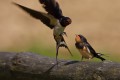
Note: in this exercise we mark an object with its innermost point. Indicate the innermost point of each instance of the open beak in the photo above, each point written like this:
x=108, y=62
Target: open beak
x=76, y=34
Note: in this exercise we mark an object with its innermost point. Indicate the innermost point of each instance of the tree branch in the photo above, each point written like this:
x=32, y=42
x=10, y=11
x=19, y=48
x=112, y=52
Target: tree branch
x=29, y=66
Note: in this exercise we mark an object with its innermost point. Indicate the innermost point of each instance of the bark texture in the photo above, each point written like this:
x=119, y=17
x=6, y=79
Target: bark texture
x=30, y=66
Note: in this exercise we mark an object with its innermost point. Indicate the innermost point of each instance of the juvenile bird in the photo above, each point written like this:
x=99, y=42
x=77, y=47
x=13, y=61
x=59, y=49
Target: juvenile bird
x=54, y=19
x=86, y=49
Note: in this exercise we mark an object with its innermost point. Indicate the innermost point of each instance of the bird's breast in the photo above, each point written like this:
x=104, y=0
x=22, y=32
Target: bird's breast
x=85, y=53
x=58, y=30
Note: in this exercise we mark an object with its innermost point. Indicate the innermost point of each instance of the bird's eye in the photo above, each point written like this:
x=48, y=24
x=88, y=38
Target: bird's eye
x=69, y=21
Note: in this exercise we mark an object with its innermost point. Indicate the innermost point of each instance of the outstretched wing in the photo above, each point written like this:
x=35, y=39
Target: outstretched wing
x=52, y=7
x=43, y=17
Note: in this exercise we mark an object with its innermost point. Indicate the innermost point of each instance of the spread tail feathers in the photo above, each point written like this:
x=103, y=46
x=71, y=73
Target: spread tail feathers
x=66, y=48
x=61, y=44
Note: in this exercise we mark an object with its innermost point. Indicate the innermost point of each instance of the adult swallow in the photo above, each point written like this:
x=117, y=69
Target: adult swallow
x=54, y=19
x=86, y=49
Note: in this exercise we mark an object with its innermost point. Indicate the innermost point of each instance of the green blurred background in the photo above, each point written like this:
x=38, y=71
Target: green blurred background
x=97, y=20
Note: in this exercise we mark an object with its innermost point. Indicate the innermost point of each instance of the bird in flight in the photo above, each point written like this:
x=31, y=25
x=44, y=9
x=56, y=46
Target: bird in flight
x=86, y=49
x=54, y=19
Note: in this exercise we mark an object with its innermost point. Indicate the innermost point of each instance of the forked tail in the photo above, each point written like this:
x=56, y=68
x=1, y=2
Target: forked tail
x=103, y=59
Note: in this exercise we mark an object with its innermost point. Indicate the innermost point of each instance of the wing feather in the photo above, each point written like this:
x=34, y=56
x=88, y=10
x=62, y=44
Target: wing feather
x=91, y=50
x=52, y=7
x=43, y=17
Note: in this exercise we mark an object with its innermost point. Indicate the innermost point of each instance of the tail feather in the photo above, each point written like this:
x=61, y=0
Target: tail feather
x=100, y=54
x=106, y=55
x=63, y=44
x=69, y=50
x=103, y=59
x=60, y=42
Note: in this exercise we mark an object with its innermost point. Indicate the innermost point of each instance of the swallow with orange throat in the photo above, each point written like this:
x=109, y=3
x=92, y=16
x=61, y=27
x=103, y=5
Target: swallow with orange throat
x=86, y=49
x=54, y=19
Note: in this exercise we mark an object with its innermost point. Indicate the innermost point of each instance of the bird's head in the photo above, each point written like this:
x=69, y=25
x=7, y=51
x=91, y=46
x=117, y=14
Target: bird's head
x=64, y=21
x=80, y=38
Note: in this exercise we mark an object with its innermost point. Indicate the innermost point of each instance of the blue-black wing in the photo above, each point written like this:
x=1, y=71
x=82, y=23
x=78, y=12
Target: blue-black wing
x=52, y=7
x=91, y=49
x=43, y=17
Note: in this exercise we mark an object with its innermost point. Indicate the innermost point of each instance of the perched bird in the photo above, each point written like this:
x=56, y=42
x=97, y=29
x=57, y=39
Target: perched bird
x=54, y=19
x=86, y=49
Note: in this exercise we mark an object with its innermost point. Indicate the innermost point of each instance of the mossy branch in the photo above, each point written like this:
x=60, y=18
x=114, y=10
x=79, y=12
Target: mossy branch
x=29, y=66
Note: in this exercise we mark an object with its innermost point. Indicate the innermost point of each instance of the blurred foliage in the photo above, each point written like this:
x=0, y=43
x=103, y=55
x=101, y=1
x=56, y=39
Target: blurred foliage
x=38, y=48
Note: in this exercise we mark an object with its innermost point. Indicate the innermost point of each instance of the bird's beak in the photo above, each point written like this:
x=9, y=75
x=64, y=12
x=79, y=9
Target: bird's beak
x=77, y=38
x=76, y=35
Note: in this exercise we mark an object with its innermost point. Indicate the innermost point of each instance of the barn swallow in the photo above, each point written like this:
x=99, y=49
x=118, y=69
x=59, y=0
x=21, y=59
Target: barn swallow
x=86, y=49
x=53, y=18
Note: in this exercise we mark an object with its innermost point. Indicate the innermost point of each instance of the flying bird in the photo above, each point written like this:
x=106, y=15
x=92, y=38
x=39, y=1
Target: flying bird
x=86, y=49
x=54, y=19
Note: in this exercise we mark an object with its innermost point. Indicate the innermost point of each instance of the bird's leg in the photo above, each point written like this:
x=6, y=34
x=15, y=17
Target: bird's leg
x=89, y=59
x=81, y=58
x=57, y=48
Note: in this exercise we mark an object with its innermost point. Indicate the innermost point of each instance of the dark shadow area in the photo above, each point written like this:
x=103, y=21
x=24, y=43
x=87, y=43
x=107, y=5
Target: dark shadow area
x=49, y=70
x=71, y=62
